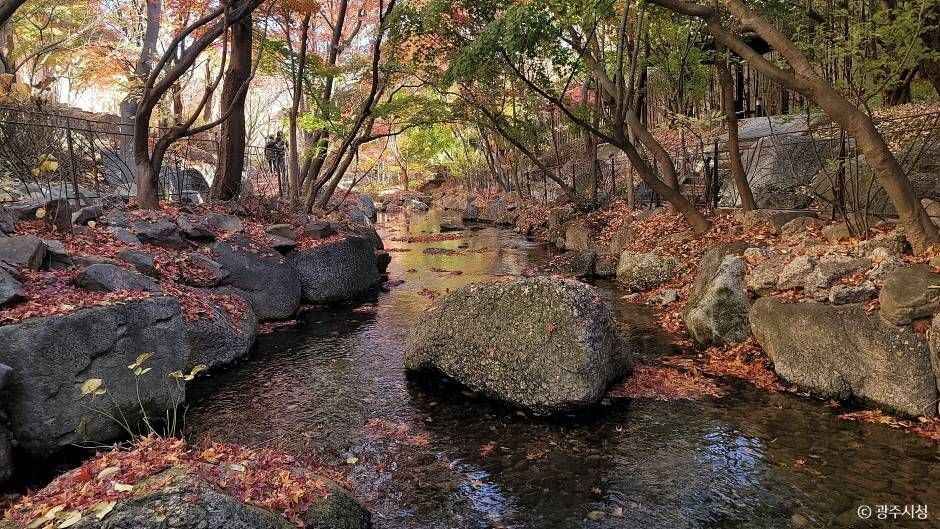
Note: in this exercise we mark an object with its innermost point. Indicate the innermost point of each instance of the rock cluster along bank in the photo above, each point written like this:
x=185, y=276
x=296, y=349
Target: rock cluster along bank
x=839, y=317
x=189, y=289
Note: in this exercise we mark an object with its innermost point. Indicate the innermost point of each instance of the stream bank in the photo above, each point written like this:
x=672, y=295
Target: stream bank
x=333, y=388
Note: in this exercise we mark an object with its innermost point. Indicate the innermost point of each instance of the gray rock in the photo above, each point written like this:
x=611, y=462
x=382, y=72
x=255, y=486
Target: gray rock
x=11, y=291
x=220, y=222
x=718, y=305
x=110, y=278
x=184, y=501
x=318, y=230
x=367, y=231
x=471, y=212
x=266, y=281
x=124, y=236
x=195, y=227
x=793, y=275
x=910, y=293
x=163, y=233
x=201, y=271
x=845, y=294
x=23, y=251
x=762, y=278
x=282, y=230
x=53, y=356
x=799, y=225
x=115, y=217
x=336, y=271
x=56, y=254
x=544, y=344
x=888, y=244
x=497, y=211
x=143, y=262
x=367, y=206
x=843, y=352
x=282, y=245
x=220, y=338
x=828, y=269
x=643, y=271
x=7, y=221
x=86, y=214
x=880, y=272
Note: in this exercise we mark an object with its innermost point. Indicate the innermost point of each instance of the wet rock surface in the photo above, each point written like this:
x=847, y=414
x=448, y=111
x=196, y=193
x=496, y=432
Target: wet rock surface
x=53, y=356
x=337, y=270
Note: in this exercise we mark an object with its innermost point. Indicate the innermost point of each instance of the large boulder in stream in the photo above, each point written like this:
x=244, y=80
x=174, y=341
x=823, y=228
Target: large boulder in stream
x=547, y=345
x=269, y=284
x=52, y=357
x=843, y=352
x=337, y=270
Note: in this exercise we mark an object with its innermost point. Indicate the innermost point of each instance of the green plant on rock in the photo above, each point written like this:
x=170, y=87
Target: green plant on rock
x=94, y=389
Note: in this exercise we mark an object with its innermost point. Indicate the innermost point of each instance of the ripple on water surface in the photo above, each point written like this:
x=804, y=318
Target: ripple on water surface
x=439, y=457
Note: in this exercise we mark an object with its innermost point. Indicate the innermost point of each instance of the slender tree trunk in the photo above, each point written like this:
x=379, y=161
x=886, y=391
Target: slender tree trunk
x=227, y=183
x=294, y=175
x=734, y=145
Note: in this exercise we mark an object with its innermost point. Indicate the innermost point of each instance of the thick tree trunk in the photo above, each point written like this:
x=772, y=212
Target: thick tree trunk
x=7, y=9
x=146, y=174
x=663, y=160
x=227, y=183
x=734, y=145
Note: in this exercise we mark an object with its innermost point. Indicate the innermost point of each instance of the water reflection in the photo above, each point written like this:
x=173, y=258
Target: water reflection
x=439, y=457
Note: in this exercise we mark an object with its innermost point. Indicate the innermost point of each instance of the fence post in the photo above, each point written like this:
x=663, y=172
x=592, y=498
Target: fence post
x=72, y=169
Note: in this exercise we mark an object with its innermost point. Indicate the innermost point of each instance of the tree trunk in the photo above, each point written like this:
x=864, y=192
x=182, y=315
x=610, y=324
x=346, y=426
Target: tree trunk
x=227, y=183
x=293, y=151
x=734, y=145
x=7, y=9
x=146, y=176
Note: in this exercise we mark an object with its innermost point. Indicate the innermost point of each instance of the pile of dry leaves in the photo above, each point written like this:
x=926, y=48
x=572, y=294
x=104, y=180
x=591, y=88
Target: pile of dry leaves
x=262, y=477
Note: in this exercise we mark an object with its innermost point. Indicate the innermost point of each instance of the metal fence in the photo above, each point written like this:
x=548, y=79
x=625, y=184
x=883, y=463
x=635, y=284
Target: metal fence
x=791, y=162
x=53, y=155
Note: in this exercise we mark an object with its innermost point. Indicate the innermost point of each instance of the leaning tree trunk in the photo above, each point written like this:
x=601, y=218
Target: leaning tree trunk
x=734, y=145
x=227, y=183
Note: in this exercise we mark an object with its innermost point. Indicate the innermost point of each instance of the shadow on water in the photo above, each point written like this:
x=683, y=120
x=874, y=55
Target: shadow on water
x=441, y=457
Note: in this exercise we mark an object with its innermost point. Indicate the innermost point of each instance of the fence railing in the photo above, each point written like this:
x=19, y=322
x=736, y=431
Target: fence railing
x=53, y=155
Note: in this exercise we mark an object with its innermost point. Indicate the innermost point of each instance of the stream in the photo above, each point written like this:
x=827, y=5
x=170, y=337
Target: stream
x=428, y=456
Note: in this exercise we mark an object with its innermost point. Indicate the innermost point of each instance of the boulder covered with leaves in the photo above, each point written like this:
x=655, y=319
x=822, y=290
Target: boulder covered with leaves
x=269, y=284
x=843, y=352
x=71, y=382
x=336, y=270
x=544, y=344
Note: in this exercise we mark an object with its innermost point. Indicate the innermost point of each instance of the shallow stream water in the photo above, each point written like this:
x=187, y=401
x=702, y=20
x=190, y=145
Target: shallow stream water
x=437, y=456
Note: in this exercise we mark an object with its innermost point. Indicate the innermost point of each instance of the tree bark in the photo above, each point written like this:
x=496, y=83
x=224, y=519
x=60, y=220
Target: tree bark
x=7, y=9
x=227, y=183
x=734, y=145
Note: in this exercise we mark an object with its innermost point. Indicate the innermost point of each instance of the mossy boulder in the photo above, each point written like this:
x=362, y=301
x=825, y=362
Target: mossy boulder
x=717, y=308
x=544, y=344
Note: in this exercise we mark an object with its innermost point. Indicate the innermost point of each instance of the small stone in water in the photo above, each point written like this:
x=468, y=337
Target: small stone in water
x=596, y=515
x=352, y=460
